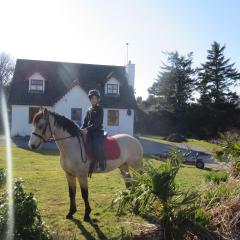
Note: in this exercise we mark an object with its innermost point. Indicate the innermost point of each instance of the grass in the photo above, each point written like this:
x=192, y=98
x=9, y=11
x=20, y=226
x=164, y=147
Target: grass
x=194, y=143
x=44, y=177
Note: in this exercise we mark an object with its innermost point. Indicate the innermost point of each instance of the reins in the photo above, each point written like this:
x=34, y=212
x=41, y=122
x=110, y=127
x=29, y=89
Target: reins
x=59, y=139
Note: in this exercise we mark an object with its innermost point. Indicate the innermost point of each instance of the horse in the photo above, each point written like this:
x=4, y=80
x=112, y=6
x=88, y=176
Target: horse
x=74, y=159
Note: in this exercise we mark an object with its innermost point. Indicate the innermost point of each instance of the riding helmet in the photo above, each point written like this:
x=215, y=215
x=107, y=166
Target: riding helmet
x=94, y=92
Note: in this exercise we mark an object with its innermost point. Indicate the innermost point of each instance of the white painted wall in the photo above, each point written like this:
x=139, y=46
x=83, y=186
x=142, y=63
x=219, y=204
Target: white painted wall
x=20, y=116
x=125, y=122
x=75, y=98
x=20, y=125
x=130, y=71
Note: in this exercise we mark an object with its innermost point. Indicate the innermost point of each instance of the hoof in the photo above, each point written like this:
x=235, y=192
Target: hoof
x=69, y=216
x=87, y=219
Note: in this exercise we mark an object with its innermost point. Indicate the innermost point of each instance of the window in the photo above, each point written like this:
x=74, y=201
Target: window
x=113, y=117
x=36, y=85
x=76, y=115
x=32, y=112
x=112, y=89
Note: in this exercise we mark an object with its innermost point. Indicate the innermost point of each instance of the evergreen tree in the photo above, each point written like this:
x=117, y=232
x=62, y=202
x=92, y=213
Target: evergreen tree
x=216, y=77
x=175, y=83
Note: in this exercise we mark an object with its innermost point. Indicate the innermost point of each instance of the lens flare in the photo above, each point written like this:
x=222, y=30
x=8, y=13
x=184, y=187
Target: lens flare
x=10, y=226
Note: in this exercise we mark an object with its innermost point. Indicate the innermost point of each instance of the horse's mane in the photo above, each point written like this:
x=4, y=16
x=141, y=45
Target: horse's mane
x=65, y=123
x=37, y=117
x=60, y=121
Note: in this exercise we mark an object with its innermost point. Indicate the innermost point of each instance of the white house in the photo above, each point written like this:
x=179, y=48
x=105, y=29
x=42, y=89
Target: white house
x=62, y=87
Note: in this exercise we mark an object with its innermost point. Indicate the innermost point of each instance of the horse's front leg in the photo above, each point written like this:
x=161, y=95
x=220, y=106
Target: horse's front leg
x=83, y=181
x=72, y=194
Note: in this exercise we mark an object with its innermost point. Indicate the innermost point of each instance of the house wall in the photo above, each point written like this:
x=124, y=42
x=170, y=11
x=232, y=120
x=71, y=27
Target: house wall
x=20, y=120
x=125, y=122
x=75, y=98
x=20, y=125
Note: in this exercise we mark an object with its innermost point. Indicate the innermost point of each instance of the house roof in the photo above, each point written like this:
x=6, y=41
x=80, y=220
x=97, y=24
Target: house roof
x=62, y=76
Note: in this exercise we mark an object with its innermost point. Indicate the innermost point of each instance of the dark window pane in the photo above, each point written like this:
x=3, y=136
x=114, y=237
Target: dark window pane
x=36, y=85
x=113, y=117
x=112, y=88
x=32, y=112
x=76, y=115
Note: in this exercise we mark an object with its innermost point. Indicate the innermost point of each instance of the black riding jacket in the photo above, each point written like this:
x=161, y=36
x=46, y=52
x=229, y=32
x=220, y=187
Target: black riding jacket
x=93, y=121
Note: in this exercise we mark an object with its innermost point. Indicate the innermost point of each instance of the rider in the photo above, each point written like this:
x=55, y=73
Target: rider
x=93, y=127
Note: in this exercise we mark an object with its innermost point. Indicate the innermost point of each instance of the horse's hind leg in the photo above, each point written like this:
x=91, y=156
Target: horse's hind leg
x=126, y=175
x=72, y=194
x=83, y=181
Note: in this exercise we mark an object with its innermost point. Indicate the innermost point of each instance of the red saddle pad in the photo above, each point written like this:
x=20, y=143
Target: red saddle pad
x=110, y=147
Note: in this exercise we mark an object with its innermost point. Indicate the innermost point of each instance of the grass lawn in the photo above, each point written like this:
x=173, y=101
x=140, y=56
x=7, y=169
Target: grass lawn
x=44, y=177
x=200, y=144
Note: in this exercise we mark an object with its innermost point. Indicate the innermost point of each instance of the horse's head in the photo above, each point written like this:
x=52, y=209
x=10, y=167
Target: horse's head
x=41, y=129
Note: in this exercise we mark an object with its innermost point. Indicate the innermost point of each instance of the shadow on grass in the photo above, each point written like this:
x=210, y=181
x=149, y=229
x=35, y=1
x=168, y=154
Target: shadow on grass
x=85, y=232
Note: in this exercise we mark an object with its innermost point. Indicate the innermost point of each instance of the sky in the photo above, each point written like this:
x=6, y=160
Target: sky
x=96, y=31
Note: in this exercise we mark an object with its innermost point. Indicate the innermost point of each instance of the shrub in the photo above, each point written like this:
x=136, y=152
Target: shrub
x=216, y=177
x=28, y=222
x=215, y=195
x=230, y=152
x=155, y=195
x=3, y=177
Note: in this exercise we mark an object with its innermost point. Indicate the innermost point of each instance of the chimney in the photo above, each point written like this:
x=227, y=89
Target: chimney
x=130, y=72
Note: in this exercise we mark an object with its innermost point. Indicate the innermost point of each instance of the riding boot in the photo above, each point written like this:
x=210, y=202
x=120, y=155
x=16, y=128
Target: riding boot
x=99, y=153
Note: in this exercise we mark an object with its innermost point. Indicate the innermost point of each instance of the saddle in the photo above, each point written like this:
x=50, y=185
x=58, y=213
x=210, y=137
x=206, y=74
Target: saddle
x=110, y=147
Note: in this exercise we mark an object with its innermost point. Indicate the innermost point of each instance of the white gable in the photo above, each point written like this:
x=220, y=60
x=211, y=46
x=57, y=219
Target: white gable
x=37, y=76
x=75, y=98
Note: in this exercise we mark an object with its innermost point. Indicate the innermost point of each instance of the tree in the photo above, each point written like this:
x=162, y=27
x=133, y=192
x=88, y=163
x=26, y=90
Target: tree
x=175, y=83
x=216, y=77
x=6, y=69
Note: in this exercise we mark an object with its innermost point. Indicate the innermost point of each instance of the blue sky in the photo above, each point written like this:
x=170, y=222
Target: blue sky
x=95, y=31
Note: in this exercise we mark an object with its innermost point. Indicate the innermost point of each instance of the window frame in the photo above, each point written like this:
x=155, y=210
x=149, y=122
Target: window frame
x=112, y=88
x=117, y=117
x=78, y=122
x=36, y=89
x=32, y=114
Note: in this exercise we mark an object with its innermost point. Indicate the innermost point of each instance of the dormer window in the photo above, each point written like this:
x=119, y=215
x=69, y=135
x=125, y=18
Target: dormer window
x=112, y=87
x=36, y=83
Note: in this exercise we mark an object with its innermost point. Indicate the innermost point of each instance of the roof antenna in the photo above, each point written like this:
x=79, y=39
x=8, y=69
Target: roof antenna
x=127, y=51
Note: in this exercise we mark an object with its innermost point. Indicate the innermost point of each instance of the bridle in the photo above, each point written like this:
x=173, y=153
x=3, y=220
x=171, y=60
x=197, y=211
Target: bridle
x=51, y=138
x=58, y=139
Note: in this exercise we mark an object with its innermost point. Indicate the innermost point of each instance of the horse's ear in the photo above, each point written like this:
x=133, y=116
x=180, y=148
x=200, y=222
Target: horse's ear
x=45, y=113
x=41, y=109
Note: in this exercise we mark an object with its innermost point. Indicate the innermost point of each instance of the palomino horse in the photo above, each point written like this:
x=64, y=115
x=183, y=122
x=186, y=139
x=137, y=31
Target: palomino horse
x=73, y=157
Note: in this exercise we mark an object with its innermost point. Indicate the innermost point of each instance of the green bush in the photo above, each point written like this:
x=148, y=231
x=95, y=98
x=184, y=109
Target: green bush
x=216, y=177
x=230, y=151
x=217, y=194
x=28, y=222
x=154, y=195
x=3, y=177
x=202, y=217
